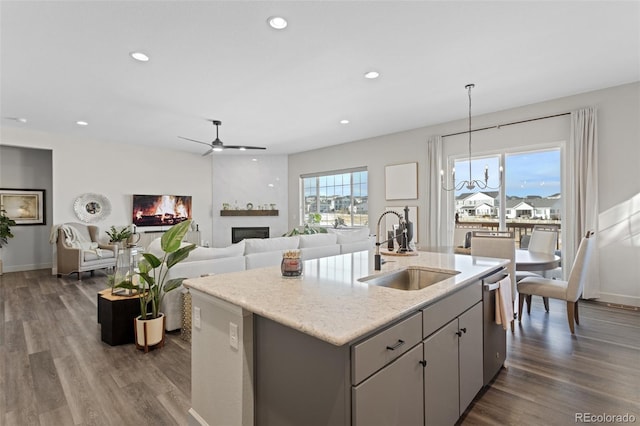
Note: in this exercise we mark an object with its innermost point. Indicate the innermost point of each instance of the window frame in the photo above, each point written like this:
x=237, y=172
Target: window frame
x=331, y=173
x=502, y=153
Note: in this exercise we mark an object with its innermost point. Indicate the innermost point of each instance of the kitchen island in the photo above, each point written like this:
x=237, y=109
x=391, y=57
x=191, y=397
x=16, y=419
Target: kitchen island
x=268, y=349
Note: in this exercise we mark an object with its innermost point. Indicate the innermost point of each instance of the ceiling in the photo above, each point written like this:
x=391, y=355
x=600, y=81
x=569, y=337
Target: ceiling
x=64, y=61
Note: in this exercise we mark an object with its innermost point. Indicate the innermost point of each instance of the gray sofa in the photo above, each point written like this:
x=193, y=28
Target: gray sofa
x=254, y=253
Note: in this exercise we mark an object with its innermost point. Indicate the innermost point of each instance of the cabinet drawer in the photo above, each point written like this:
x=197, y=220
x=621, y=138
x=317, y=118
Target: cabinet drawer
x=392, y=396
x=374, y=353
x=443, y=311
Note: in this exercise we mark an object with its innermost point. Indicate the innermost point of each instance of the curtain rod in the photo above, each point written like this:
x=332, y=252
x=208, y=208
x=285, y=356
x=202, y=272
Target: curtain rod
x=497, y=126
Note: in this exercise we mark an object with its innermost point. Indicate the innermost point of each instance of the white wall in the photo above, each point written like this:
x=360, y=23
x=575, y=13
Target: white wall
x=22, y=168
x=619, y=174
x=117, y=171
x=240, y=180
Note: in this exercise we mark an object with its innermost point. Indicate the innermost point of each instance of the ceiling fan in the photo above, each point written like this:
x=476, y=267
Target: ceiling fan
x=217, y=144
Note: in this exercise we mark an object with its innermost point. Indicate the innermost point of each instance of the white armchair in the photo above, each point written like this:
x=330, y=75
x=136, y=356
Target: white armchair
x=80, y=251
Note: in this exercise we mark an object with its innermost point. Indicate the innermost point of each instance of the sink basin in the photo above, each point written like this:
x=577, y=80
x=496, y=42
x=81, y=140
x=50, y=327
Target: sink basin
x=411, y=278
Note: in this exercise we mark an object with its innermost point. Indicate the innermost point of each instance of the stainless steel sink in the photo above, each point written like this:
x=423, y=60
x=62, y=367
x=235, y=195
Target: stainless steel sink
x=411, y=278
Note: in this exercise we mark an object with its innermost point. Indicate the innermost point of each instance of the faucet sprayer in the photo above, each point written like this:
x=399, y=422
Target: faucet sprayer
x=377, y=257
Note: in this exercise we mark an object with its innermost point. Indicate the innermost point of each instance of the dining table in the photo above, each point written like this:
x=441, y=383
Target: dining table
x=536, y=261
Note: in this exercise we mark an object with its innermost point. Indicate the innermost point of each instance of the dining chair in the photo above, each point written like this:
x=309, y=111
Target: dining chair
x=570, y=290
x=542, y=240
x=497, y=244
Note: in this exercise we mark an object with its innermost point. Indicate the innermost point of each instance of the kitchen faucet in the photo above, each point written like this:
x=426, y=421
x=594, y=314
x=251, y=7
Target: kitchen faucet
x=377, y=257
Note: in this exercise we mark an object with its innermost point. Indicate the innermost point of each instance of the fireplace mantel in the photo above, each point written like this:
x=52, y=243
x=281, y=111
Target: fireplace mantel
x=248, y=212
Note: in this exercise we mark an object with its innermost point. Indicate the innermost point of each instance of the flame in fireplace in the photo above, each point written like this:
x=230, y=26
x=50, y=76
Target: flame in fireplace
x=158, y=210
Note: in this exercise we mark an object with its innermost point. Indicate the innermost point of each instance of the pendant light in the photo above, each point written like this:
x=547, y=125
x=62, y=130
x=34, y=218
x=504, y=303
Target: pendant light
x=470, y=184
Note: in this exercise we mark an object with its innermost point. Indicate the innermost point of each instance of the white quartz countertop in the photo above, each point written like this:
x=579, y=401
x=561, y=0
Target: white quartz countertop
x=329, y=302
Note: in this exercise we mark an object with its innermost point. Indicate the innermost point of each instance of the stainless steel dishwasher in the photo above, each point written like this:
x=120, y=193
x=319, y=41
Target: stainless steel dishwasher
x=495, y=337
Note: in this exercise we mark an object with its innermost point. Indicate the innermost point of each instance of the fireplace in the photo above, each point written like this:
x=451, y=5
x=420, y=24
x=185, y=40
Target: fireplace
x=239, y=234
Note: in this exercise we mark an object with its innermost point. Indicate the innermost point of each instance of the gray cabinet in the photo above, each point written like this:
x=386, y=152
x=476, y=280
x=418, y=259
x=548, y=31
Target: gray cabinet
x=441, y=404
x=395, y=376
x=470, y=355
x=453, y=374
x=392, y=396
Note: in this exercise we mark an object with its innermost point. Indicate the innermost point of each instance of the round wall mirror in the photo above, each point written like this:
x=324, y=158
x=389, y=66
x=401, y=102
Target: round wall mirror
x=92, y=207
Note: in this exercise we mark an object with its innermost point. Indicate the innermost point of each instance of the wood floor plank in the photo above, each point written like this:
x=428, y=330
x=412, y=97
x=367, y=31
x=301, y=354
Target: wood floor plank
x=14, y=337
x=19, y=392
x=58, y=417
x=46, y=383
x=35, y=335
x=83, y=405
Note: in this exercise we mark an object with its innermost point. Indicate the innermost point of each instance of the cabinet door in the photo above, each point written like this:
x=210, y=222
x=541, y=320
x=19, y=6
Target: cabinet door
x=441, y=376
x=392, y=396
x=470, y=355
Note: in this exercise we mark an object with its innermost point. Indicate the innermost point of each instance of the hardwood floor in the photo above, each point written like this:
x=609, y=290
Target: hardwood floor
x=55, y=370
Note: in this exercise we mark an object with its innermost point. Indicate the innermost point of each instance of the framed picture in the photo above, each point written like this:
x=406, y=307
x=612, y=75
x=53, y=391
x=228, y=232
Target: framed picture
x=401, y=181
x=25, y=206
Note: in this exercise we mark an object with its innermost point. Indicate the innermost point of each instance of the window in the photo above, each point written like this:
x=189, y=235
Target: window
x=531, y=194
x=336, y=198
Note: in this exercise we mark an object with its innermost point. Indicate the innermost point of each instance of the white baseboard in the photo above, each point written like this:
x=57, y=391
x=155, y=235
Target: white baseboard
x=619, y=299
x=20, y=268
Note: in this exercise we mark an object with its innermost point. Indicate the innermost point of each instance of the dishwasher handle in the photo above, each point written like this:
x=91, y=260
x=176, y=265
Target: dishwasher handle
x=492, y=282
x=492, y=286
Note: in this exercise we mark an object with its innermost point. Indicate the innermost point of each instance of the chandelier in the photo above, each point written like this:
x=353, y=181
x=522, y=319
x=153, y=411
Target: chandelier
x=470, y=184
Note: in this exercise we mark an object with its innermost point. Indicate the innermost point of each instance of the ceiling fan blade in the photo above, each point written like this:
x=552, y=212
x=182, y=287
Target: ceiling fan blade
x=243, y=146
x=193, y=140
x=208, y=152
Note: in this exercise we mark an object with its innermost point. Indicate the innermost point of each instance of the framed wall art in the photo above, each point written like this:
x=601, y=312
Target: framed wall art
x=401, y=181
x=24, y=206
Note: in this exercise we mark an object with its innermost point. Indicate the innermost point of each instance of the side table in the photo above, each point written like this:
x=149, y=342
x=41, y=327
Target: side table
x=115, y=315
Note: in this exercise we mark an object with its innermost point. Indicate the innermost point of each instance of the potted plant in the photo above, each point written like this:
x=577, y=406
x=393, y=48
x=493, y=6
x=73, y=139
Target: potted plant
x=5, y=231
x=119, y=236
x=308, y=228
x=152, y=283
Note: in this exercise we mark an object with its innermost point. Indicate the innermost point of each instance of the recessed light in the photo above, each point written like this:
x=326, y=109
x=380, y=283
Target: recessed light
x=344, y=121
x=254, y=159
x=277, y=22
x=139, y=56
x=82, y=123
x=270, y=185
x=242, y=148
x=372, y=75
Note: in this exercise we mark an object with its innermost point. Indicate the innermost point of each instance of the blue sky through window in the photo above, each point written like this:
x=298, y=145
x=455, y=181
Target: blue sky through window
x=526, y=174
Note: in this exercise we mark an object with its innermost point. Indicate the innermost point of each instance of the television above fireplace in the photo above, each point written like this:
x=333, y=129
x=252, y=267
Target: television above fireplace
x=160, y=210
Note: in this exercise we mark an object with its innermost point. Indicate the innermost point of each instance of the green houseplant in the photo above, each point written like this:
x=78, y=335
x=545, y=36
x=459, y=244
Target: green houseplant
x=119, y=235
x=5, y=231
x=309, y=228
x=152, y=283
x=5, y=228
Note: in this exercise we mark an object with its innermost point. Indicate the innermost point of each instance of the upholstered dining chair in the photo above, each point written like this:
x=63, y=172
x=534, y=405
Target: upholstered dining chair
x=543, y=240
x=570, y=290
x=500, y=245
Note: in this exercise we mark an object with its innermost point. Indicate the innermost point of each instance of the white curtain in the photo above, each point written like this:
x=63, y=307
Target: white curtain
x=583, y=195
x=435, y=234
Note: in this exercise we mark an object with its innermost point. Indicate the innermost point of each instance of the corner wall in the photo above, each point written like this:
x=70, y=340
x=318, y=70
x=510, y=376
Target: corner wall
x=22, y=168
